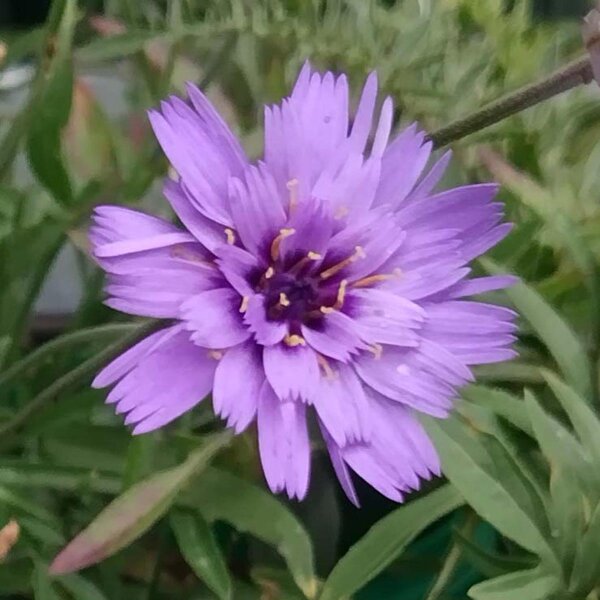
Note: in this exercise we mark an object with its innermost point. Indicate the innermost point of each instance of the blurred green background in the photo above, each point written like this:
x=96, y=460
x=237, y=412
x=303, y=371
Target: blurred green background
x=73, y=133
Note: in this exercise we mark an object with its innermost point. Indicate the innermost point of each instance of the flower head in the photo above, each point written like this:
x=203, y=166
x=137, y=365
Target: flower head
x=327, y=278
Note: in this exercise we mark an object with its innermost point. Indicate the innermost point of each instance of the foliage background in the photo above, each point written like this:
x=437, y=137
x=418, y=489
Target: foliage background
x=520, y=516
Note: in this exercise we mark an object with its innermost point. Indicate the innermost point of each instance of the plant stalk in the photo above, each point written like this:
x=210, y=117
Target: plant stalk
x=568, y=77
x=67, y=381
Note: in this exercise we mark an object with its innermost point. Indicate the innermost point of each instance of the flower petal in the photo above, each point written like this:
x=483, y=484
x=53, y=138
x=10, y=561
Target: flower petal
x=238, y=381
x=292, y=372
x=343, y=407
x=338, y=336
x=161, y=378
x=204, y=162
x=265, y=332
x=283, y=443
x=214, y=319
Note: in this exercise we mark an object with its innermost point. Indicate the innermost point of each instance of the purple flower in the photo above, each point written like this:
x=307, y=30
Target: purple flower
x=327, y=279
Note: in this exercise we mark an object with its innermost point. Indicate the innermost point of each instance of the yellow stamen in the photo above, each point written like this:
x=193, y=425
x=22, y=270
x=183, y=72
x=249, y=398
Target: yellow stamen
x=358, y=253
x=269, y=273
x=181, y=251
x=292, y=186
x=326, y=367
x=311, y=256
x=377, y=350
x=173, y=174
x=215, y=354
x=230, y=236
x=244, y=304
x=294, y=340
x=372, y=279
x=339, y=302
x=283, y=299
x=341, y=295
x=341, y=212
x=275, y=246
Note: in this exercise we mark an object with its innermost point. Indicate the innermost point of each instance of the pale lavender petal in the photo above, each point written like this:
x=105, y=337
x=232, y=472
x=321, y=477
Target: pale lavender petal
x=403, y=162
x=214, y=319
x=433, y=177
x=343, y=407
x=209, y=233
x=265, y=332
x=337, y=337
x=238, y=382
x=363, y=120
x=293, y=372
x=166, y=379
x=481, y=285
x=124, y=363
x=283, y=443
x=339, y=466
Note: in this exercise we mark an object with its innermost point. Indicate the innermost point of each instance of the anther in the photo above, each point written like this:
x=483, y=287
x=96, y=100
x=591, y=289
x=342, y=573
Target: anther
x=244, y=304
x=230, y=236
x=377, y=350
x=292, y=186
x=358, y=253
x=269, y=273
x=372, y=279
x=341, y=295
x=283, y=299
x=215, y=354
x=172, y=173
x=294, y=340
x=341, y=212
x=310, y=257
x=275, y=246
x=326, y=367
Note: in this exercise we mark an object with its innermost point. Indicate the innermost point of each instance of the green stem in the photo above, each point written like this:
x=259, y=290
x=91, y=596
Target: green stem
x=570, y=76
x=71, y=378
x=451, y=563
x=90, y=334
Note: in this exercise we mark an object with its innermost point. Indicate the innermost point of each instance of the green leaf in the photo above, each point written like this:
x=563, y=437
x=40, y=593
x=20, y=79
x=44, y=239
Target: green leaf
x=223, y=496
x=524, y=585
x=468, y=465
x=559, y=446
x=42, y=584
x=201, y=552
x=276, y=583
x=584, y=419
x=562, y=342
x=586, y=570
x=79, y=587
x=503, y=404
x=566, y=515
x=385, y=541
x=491, y=564
x=117, y=46
x=140, y=455
x=52, y=112
x=132, y=513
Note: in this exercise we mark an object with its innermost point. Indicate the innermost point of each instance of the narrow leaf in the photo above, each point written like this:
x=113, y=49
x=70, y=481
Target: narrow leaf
x=503, y=404
x=586, y=570
x=385, y=541
x=584, y=419
x=562, y=342
x=132, y=513
x=223, y=496
x=524, y=585
x=201, y=552
x=468, y=466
